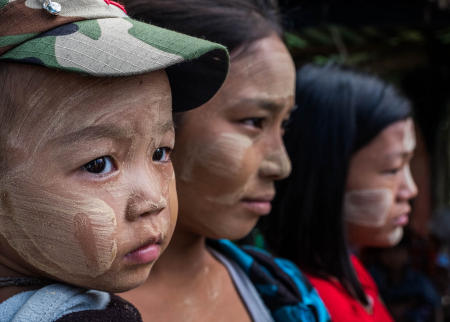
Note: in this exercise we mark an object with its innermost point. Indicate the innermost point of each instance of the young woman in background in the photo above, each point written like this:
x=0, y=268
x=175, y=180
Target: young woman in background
x=350, y=141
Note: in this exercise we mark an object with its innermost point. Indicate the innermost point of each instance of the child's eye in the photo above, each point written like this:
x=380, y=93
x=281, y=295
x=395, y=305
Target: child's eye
x=101, y=165
x=162, y=154
x=256, y=122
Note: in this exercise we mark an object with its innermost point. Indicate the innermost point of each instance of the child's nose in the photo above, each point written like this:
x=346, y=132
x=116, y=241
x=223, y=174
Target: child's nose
x=149, y=196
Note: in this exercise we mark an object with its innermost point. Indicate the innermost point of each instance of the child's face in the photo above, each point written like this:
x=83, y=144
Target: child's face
x=88, y=196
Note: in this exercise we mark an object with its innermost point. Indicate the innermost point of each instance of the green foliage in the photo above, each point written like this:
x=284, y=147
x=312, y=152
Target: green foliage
x=295, y=41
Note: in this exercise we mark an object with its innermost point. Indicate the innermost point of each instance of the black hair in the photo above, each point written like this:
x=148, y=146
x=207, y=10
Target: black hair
x=339, y=111
x=232, y=23
x=236, y=24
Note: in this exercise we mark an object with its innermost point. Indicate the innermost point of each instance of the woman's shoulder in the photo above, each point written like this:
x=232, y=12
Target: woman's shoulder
x=342, y=306
x=364, y=277
x=332, y=288
x=283, y=288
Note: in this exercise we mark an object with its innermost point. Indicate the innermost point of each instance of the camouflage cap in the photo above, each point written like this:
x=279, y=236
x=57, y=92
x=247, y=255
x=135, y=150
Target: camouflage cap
x=96, y=37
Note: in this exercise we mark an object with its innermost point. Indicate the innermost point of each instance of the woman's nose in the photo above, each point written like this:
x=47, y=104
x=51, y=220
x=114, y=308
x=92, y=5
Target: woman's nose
x=276, y=165
x=408, y=189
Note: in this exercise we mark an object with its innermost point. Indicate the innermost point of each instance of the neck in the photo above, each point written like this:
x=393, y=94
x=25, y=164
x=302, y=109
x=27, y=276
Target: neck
x=10, y=269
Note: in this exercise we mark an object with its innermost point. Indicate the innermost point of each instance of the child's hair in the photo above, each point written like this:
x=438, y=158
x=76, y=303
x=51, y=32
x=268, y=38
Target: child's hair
x=339, y=112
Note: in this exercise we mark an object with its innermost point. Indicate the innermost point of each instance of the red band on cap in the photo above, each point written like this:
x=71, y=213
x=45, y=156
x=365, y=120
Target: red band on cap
x=116, y=4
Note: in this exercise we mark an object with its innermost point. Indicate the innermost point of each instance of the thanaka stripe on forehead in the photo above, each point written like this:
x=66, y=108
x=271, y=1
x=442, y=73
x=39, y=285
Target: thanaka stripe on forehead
x=263, y=103
x=93, y=132
x=112, y=131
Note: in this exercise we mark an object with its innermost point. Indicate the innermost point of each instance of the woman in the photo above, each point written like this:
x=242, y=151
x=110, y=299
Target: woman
x=227, y=158
x=351, y=142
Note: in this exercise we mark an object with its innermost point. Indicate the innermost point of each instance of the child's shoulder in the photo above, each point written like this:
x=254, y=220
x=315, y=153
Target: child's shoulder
x=61, y=302
x=117, y=310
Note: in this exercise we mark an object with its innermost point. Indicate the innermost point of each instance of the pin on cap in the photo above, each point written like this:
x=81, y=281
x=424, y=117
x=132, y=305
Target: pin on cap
x=51, y=7
x=97, y=38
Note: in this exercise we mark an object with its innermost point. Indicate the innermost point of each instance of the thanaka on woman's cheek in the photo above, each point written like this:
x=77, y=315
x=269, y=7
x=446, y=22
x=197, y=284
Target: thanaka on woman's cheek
x=230, y=150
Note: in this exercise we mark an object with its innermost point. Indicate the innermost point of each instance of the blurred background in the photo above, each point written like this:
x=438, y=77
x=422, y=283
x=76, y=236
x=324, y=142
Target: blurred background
x=406, y=42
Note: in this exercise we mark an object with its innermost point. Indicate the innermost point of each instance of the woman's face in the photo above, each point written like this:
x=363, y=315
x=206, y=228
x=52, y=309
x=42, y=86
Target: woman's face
x=229, y=151
x=380, y=186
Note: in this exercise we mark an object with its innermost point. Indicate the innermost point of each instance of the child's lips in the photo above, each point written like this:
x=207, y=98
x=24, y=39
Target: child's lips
x=146, y=253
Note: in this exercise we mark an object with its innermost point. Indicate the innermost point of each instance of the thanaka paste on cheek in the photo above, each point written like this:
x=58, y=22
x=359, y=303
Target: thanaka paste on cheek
x=228, y=199
x=62, y=220
x=367, y=207
x=62, y=236
x=223, y=156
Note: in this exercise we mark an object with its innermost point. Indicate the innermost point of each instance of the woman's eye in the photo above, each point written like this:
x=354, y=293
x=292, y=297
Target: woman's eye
x=392, y=171
x=285, y=124
x=254, y=122
x=101, y=165
x=162, y=154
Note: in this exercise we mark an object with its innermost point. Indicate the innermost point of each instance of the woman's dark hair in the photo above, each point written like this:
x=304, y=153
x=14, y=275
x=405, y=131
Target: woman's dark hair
x=232, y=23
x=236, y=24
x=339, y=111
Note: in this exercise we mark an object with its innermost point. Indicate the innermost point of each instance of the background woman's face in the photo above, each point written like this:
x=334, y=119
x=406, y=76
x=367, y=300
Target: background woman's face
x=229, y=152
x=380, y=186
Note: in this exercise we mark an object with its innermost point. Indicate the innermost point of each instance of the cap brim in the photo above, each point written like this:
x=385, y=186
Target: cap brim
x=122, y=47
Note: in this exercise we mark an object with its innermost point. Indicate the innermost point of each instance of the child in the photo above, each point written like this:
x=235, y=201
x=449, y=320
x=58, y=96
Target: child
x=87, y=190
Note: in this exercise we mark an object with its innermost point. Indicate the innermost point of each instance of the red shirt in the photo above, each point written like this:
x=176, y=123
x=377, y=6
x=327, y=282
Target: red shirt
x=342, y=306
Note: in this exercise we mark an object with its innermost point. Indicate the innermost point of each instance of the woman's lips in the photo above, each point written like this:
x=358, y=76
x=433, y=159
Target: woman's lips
x=401, y=220
x=145, y=254
x=261, y=206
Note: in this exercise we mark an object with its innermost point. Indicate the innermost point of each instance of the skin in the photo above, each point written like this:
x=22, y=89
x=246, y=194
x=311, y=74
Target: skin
x=228, y=152
x=383, y=166
x=231, y=149
x=367, y=207
x=57, y=218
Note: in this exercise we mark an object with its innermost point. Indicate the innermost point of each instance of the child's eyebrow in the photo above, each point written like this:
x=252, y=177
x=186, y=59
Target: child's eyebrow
x=167, y=127
x=93, y=132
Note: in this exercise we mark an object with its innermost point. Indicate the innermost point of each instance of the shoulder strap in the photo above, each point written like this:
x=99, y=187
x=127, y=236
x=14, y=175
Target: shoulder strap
x=285, y=291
